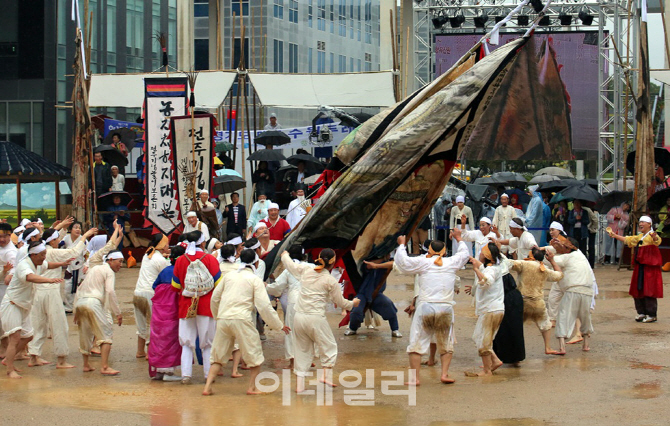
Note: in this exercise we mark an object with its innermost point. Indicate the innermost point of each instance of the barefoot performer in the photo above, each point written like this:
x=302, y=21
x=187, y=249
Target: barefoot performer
x=310, y=324
x=17, y=302
x=578, y=285
x=7, y=262
x=646, y=284
x=95, y=299
x=48, y=314
x=434, y=315
x=532, y=276
x=489, y=304
x=233, y=303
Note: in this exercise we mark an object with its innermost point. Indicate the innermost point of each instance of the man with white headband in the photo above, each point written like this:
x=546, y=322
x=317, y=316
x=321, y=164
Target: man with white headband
x=203, y=199
x=47, y=314
x=233, y=303
x=263, y=235
x=501, y=219
x=255, y=245
x=434, y=315
x=99, y=246
x=277, y=226
x=17, y=302
x=646, y=284
x=482, y=236
x=195, y=314
x=297, y=209
x=7, y=263
x=456, y=220
x=521, y=241
x=193, y=224
x=236, y=241
x=95, y=300
x=258, y=211
x=153, y=262
x=555, y=293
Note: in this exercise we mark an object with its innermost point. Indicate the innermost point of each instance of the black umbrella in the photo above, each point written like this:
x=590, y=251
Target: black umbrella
x=228, y=183
x=511, y=178
x=658, y=200
x=489, y=180
x=661, y=157
x=558, y=185
x=307, y=158
x=112, y=155
x=272, y=137
x=108, y=197
x=581, y=191
x=281, y=173
x=614, y=199
x=266, y=155
x=128, y=137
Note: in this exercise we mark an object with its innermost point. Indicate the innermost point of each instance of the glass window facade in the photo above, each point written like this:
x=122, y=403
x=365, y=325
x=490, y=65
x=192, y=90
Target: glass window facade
x=292, y=58
x=278, y=56
x=279, y=9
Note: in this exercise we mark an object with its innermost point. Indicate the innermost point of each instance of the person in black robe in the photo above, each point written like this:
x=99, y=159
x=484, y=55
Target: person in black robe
x=508, y=344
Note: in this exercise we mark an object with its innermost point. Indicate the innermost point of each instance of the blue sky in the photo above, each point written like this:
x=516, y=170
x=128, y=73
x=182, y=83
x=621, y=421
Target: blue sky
x=32, y=194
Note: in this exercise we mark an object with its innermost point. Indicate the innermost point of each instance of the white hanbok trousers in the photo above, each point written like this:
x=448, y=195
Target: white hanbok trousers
x=311, y=331
x=190, y=329
x=236, y=332
x=47, y=314
x=553, y=300
x=93, y=320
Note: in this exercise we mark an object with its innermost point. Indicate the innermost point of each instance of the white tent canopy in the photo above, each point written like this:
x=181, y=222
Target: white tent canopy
x=127, y=90
x=662, y=76
x=370, y=89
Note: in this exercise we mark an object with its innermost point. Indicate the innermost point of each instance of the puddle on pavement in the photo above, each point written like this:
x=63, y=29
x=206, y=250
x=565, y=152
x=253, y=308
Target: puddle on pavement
x=612, y=294
x=578, y=361
x=647, y=390
x=128, y=317
x=639, y=365
x=495, y=422
x=649, y=332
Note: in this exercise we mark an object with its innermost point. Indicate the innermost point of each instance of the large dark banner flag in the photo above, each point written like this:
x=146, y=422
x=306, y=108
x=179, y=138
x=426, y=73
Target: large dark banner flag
x=164, y=98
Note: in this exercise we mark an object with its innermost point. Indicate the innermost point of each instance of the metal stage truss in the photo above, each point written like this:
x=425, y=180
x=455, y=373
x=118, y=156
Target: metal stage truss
x=617, y=40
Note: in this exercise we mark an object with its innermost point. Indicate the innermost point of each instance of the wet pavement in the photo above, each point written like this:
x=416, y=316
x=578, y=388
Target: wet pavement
x=624, y=379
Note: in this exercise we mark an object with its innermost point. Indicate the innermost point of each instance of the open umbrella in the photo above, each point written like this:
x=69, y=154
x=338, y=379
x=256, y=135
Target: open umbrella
x=661, y=157
x=108, y=197
x=510, y=178
x=223, y=147
x=281, y=173
x=658, y=200
x=557, y=185
x=228, y=183
x=522, y=197
x=613, y=199
x=630, y=183
x=227, y=172
x=581, y=191
x=311, y=180
x=112, y=155
x=127, y=137
x=554, y=171
x=272, y=137
x=542, y=179
x=307, y=158
x=266, y=155
x=488, y=180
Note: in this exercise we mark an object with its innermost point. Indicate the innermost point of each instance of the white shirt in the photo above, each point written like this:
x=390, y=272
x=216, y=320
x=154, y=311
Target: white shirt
x=7, y=255
x=60, y=255
x=501, y=219
x=295, y=213
x=199, y=226
x=99, y=284
x=490, y=292
x=436, y=283
x=317, y=287
x=578, y=276
x=149, y=271
x=456, y=214
x=284, y=281
x=478, y=238
x=20, y=290
x=118, y=183
x=236, y=296
x=522, y=244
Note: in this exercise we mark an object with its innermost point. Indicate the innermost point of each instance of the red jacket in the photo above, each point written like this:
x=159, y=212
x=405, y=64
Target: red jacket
x=280, y=228
x=179, y=274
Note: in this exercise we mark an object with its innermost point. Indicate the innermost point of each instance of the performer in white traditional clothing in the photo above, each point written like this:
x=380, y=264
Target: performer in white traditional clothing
x=7, y=263
x=434, y=314
x=258, y=211
x=262, y=233
x=297, y=209
x=233, y=302
x=213, y=247
x=456, y=219
x=95, y=300
x=311, y=327
x=287, y=283
x=522, y=240
x=555, y=292
x=153, y=262
x=99, y=247
x=17, y=302
x=501, y=219
x=193, y=224
x=229, y=263
x=482, y=236
x=74, y=273
x=203, y=200
x=489, y=305
x=47, y=314
x=578, y=289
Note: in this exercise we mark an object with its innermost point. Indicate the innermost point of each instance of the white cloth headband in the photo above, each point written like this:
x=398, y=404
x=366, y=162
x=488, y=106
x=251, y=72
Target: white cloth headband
x=486, y=219
x=113, y=255
x=204, y=191
x=273, y=206
x=231, y=259
x=24, y=222
x=513, y=224
x=235, y=241
x=37, y=249
x=191, y=214
x=19, y=229
x=251, y=265
x=51, y=238
x=255, y=246
x=193, y=246
x=504, y=196
x=556, y=225
x=212, y=245
x=32, y=233
x=39, y=220
x=460, y=199
x=259, y=225
x=646, y=219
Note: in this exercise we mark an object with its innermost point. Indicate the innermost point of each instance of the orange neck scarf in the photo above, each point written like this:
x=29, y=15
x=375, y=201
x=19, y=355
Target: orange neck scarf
x=439, y=255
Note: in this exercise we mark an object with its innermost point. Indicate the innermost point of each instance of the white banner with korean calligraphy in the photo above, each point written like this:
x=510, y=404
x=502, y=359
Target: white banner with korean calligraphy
x=165, y=98
x=192, y=148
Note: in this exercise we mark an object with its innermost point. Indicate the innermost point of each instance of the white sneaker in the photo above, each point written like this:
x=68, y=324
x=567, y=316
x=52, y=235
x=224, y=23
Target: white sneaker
x=186, y=381
x=396, y=333
x=640, y=317
x=649, y=319
x=349, y=332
